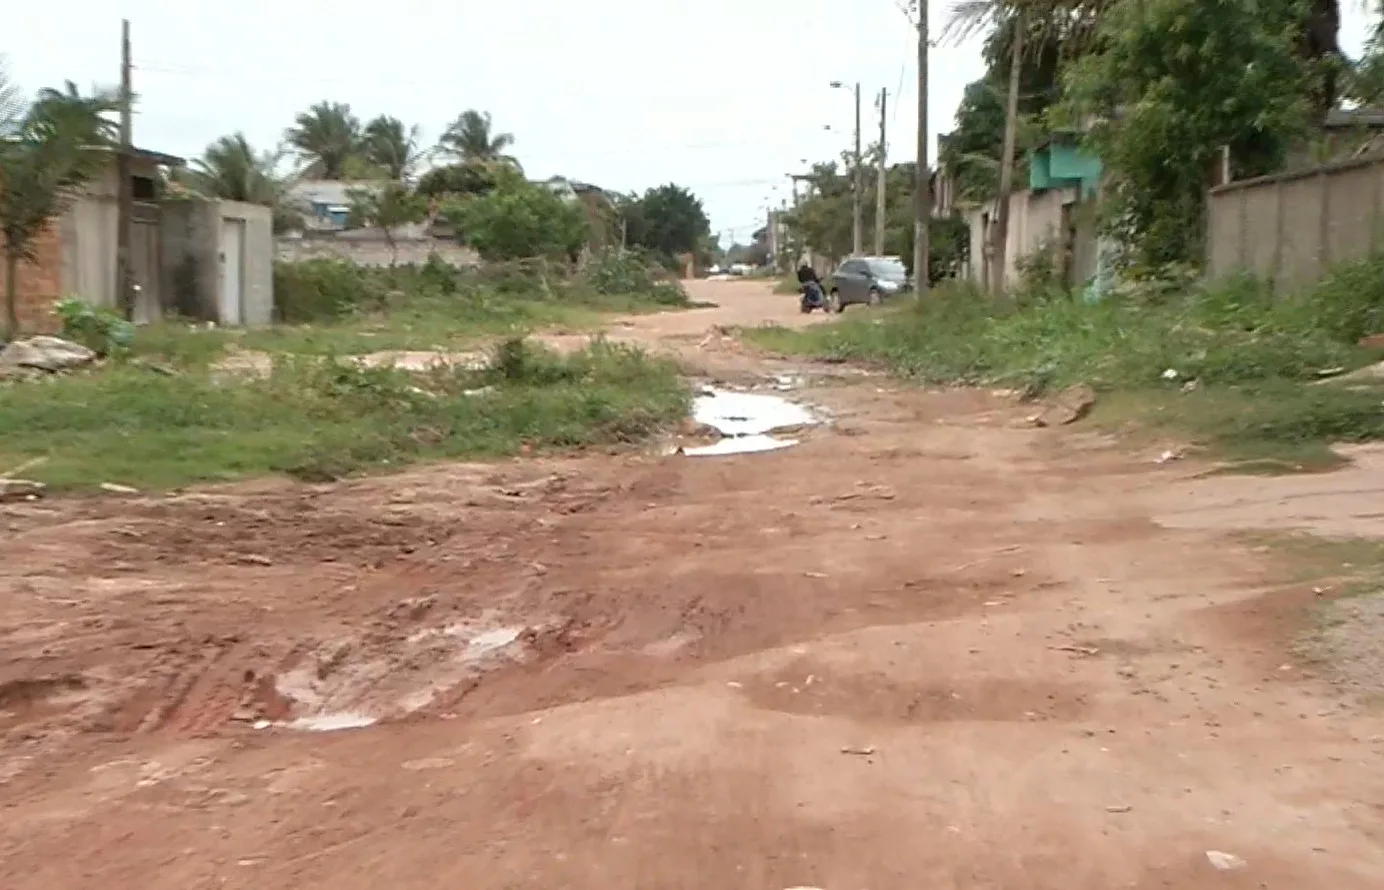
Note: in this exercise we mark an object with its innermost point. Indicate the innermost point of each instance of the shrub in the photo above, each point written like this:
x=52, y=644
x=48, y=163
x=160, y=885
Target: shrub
x=324, y=289
x=518, y=219
x=631, y=272
x=100, y=330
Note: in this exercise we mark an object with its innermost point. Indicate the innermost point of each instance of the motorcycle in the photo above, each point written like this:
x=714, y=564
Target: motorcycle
x=813, y=298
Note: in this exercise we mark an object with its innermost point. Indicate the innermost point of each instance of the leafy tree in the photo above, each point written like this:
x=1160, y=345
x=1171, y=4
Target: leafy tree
x=669, y=220
x=231, y=169
x=326, y=136
x=471, y=137
x=45, y=162
x=387, y=208
x=391, y=147
x=519, y=219
x=451, y=180
x=1174, y=82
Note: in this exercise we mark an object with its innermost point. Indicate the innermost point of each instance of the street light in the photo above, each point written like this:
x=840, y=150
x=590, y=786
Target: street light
x=858, y=188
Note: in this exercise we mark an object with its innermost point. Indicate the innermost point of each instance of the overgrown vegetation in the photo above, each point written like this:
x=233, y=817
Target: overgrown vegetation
x=1230, y=362
x=318, y=419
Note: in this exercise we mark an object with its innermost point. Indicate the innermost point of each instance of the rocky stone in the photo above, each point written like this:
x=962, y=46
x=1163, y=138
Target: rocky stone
x=20, y=490
x=46, y=354
x=1071, y=405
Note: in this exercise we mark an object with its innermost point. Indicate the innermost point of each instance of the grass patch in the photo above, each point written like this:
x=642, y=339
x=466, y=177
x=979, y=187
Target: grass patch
x=1345, y=567
x=319, y=419
x=1252, y=357
x=330, y=307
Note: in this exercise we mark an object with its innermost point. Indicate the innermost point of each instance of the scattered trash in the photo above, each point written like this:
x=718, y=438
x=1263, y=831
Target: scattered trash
x=1171, y=374
x=858, y=751
x=113, y=488
x=1224, y=861
x=1119, y=808
x=815, y=574
x=254, y=559
x=1169, y=456
x=1079, y=650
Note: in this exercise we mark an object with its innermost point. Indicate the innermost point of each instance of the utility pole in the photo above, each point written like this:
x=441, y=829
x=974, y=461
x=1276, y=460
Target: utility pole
x=857, y=222
x=882, y=177
x=922, y=198
x=124, y=278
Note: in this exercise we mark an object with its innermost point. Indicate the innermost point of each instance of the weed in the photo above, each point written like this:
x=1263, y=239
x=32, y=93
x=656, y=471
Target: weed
x=1250, y=353
x=324, y=418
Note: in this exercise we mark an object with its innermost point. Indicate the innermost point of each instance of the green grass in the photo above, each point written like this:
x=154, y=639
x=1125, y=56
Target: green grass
x=321, y=419
x=1342, y=567
x=328, y=307
x=1253, y=357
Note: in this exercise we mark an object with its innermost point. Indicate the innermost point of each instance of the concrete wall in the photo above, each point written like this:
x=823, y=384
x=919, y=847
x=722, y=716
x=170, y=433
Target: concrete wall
x=1036, y=220
x=1290, y=228
x=191, y=276
x=371, y=250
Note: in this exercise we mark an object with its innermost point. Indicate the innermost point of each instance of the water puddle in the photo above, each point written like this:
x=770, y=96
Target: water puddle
x=331, y=722
x=746, y=421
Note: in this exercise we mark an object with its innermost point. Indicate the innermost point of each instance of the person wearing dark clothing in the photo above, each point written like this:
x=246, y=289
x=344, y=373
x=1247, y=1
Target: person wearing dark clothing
x=806, y=273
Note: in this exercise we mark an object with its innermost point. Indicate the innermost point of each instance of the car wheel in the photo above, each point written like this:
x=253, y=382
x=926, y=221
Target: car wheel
x=836, y=305
x=875, y=297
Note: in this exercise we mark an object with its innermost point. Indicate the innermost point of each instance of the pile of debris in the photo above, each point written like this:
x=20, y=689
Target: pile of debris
x=43, y=355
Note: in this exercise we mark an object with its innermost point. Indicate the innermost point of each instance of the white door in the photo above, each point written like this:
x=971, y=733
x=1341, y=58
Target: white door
x=231, y=306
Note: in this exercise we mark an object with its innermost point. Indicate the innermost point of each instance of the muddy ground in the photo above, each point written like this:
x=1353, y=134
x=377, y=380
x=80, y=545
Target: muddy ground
x=925, y=648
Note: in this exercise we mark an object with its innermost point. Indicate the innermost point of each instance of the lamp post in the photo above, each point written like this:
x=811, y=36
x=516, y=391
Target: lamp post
x=857, y=187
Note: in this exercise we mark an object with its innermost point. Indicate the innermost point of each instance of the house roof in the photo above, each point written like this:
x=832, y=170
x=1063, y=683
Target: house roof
x=1341, y=118
x=327, y=191
x=158, y=157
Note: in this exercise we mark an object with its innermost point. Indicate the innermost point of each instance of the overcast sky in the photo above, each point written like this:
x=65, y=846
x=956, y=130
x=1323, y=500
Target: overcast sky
x=726, y=97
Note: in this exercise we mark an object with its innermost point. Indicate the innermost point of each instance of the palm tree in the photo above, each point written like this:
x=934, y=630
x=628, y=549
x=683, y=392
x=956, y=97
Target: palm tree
x=326, y=136
x=391, y=146
x=1036, y=21
x=471, y=138
x=230, y=168
x=45, y=162
x=93, y=110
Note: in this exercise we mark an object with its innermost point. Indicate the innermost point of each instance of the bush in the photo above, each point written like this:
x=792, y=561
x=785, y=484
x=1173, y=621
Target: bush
x=100, y=330
x=518, y=219
x=631, y=272
x=323, y=290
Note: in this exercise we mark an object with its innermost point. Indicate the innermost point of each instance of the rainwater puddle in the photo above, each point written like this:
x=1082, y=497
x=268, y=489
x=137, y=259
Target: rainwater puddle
x=331, y=722
x=746, y=421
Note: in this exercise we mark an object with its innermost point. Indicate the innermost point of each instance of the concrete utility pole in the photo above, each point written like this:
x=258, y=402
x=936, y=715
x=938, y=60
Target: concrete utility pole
x=124, y=276
x=881, y=181
x=922, y=197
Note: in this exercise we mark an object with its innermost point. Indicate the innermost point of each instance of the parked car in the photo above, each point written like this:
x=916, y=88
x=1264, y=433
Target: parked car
x=867, y=279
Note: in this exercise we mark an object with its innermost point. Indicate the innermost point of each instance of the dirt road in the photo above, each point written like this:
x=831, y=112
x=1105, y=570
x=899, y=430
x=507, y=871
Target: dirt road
x=924, y=648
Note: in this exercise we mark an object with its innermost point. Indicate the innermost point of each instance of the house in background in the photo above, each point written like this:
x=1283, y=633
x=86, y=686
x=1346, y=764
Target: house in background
x=1063, y=177
x=325, y=204
x=76, y=255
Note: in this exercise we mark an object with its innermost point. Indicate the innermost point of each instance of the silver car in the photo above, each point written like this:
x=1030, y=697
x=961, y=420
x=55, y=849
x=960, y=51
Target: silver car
x=868, y=279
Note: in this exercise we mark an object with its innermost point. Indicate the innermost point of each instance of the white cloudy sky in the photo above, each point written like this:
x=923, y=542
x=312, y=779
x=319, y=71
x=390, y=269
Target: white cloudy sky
x=725, y=96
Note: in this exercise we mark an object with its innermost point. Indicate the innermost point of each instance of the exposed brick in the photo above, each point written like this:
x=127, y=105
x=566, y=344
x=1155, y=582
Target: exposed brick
x=40, y=284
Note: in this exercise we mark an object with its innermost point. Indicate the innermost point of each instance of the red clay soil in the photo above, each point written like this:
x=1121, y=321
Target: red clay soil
x=926, y=648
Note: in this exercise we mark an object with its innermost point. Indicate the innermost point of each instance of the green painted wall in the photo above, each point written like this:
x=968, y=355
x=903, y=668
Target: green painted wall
x=1062, y=164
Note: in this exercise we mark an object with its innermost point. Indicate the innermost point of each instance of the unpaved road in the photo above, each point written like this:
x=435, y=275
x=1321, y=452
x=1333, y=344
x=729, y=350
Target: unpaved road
x=923, y=649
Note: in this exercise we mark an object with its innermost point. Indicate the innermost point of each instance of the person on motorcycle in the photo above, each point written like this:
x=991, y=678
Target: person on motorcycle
x=811, y=285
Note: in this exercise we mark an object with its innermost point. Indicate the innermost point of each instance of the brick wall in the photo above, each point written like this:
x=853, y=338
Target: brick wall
x=39, y=285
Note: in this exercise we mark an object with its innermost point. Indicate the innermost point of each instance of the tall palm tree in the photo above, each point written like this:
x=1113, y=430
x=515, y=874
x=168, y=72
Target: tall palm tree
x=471, y=138
x=391, y=146
x=45, y=162
x=94, y=111
x=230, y=168
x=326, y=136
x=1028, y=21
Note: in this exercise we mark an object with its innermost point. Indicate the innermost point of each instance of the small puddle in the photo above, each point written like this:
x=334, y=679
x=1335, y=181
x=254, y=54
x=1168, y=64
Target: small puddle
x=746, y=421
x=331, y=722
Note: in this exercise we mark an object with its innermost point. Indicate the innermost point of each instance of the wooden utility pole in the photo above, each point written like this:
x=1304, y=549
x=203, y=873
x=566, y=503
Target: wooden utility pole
x=922, y=197
x=124, y=278
x=881, y=181
x=857, y=211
